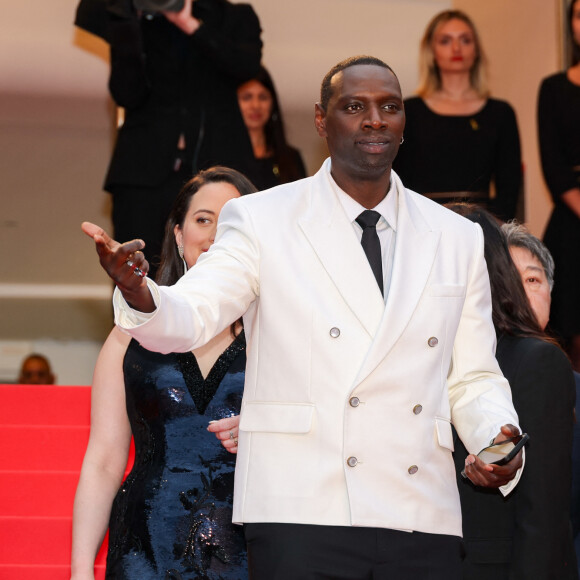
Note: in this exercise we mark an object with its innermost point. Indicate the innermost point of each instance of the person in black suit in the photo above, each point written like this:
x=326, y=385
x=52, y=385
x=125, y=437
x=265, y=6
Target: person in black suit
x=526, y=534
x=176, y=76
x=536, y=267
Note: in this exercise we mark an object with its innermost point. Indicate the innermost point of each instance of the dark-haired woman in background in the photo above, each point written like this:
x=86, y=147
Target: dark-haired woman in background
x=458, y=140
x=526, y=534
x=172, y=516
x=275, y=161
x=559, y=134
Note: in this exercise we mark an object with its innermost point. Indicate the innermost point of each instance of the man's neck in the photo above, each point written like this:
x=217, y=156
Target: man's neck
x=368, y=192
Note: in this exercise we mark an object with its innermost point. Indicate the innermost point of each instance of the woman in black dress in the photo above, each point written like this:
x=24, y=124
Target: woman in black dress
x=275, y=161
x=559, y=134
x=171, y=517
x=459, y=140
x=526, y=534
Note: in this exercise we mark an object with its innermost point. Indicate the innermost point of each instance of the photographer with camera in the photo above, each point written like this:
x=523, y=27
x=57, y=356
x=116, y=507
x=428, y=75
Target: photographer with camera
x=175, y=69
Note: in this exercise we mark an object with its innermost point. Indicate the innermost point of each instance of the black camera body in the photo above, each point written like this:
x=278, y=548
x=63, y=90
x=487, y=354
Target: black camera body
x=159, y=5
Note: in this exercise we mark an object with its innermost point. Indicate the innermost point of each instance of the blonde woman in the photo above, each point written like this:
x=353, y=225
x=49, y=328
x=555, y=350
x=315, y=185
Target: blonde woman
x=459, y=140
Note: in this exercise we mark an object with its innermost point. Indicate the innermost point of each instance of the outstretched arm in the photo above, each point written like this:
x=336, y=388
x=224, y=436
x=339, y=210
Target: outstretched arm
x=105, y=459
x=126, y=266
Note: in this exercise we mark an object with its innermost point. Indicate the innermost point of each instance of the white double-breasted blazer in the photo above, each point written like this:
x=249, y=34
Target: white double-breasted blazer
x=348, y=401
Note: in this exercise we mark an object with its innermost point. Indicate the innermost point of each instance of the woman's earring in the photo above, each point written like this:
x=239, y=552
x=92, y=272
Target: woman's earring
x=402, y=140
x=181, y=255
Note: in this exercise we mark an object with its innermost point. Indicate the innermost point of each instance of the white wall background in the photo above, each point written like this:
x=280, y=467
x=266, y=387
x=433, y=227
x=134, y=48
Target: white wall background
x=41, y=52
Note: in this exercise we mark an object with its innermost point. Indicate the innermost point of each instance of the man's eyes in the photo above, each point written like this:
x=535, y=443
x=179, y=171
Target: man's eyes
x=390, y=107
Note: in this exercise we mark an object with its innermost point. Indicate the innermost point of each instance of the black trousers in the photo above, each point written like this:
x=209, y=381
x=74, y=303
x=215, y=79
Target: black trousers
x=309, y=552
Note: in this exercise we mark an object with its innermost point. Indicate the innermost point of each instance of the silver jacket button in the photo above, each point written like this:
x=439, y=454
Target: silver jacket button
x=413, y=469
x=334, y=332
x=417, y=409
x=433, y=341
x=354, y=402
x=352, y=461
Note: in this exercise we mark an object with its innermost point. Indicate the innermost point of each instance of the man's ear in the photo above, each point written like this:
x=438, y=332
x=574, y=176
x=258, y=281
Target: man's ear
x=320, y=120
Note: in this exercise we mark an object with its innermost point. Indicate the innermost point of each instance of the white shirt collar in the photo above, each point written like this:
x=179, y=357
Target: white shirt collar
x=387, y=207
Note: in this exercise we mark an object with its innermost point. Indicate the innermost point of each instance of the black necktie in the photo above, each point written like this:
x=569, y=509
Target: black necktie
x=367, y=220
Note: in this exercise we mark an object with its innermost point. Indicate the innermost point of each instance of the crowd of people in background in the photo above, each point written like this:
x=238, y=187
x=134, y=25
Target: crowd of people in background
x=196, y=95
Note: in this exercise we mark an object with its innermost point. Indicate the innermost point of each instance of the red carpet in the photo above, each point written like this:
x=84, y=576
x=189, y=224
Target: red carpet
x=43, y=436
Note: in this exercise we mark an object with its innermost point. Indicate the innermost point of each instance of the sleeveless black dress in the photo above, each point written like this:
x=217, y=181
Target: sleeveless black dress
x=171, y=518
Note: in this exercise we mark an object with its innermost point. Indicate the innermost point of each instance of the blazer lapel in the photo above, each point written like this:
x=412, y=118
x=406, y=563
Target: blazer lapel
x=415, y=250
x=334, y=241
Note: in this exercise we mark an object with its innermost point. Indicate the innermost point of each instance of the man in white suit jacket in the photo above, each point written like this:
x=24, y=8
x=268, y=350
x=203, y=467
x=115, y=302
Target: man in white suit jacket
x=345, y=434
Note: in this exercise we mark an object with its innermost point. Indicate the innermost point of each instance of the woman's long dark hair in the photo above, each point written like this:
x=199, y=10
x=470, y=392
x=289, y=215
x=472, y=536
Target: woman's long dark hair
x=275, y=134
x=511, y=310
x=171, y=267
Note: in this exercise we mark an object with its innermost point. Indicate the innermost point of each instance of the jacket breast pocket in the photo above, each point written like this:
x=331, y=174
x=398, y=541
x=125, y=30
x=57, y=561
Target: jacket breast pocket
x=447, y=290
x=266, y=417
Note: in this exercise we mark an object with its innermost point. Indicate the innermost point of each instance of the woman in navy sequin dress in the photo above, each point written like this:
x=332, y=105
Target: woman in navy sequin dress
x=171, y=517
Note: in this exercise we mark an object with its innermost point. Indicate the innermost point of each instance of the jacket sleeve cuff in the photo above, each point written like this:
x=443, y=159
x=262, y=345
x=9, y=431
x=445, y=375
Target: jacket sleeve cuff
x=509, y=487
x=125, y=317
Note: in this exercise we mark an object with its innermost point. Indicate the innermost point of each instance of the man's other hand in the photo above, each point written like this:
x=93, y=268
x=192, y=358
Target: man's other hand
x=489, y=475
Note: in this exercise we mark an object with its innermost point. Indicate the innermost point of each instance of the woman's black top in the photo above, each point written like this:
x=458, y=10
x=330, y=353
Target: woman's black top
x=457, y=157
